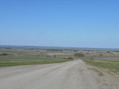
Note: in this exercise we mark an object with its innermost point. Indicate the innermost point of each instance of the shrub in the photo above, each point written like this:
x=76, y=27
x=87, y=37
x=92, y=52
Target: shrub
x=70, y=58
x=79, y=55
x=3, y=54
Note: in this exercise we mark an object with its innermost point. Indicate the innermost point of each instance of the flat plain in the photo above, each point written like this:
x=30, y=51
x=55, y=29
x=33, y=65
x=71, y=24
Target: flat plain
x=22, y=68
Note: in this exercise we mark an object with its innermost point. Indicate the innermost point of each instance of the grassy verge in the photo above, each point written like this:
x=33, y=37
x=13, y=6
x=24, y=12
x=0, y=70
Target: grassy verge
x=113, y=65
x=5, y=61
x=97, y=71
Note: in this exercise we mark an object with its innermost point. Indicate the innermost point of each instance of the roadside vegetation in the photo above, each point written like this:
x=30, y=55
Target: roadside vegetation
x=110, y=64
x=97, y=71
x=13, y=61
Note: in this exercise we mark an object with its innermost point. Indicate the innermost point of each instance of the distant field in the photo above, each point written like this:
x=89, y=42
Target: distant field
x=111, y=64
x=27, y=56
x=14, y=56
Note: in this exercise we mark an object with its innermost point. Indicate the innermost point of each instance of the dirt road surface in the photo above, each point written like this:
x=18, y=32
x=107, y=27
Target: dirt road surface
x=67, y=75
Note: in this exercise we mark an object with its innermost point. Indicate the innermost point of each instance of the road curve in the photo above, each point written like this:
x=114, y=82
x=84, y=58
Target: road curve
x=67, y=75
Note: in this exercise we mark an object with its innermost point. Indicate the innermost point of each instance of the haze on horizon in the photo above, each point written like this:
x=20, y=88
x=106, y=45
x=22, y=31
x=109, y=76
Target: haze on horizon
x=61, y=23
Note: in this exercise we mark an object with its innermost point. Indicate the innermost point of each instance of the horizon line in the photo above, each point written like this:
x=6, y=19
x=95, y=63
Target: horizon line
x=68, y=47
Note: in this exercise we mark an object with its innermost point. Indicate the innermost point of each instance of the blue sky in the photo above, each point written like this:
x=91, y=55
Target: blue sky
x=65, y=23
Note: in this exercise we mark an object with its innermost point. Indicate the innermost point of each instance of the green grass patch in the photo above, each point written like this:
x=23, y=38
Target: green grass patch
x=14, y=61
x=109, y=64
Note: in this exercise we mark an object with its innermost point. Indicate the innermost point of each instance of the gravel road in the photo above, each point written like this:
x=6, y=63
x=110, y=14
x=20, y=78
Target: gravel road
x=68, y=75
